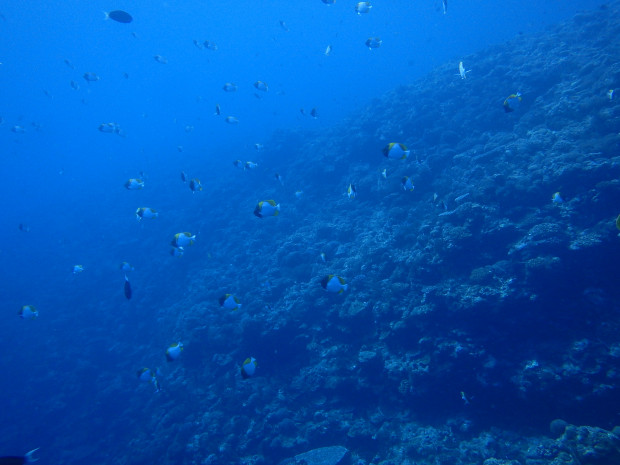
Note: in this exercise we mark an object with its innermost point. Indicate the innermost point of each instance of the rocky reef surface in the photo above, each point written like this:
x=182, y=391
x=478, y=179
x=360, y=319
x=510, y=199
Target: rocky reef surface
x=479, y=311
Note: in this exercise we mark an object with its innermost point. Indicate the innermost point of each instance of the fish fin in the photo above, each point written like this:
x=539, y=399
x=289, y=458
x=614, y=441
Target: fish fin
x=29, y=456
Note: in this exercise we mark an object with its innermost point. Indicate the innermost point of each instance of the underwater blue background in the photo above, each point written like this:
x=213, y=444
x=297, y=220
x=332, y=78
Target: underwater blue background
x=71, y=372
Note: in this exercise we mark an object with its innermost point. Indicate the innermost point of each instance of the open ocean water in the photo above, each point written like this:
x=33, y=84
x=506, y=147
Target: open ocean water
x=335, y=300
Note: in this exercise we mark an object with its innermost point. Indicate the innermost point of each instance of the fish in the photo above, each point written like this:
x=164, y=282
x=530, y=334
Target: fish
x=278, y=176
x=146, y=212
x=299, y=194
x=91, y=77
x=260, y=85
x=177, y=251
x=160, y=59
x=189, y=128
x=250, y=165
x=462, y=71
x=314, y=113
x=362, y=7
x=183, y=239
x=110, y=128
x=198, y=44
x=119, y=16
x=77, y=269
x=229, y=302
x=618, y=222
x=126, y=267
x=68, y=63
x=218, y=111
x=134, y=184
x=373, y=42
x=230, y=87
x=238, y=164
x=610, y=94
x=232, y=120
x=74, y=85
x=407, y=183
x=18, y=129
x=248, y=367
x=23, y=227
x=445, y=6
x=557, y=198
x=146, y=374
x=464, y=398
x=284, y=26
x=396, y=151
x=329, y=2
x=174, y=351
x=328, y=50
x=127, y=288
x=179, y=148
x=322, y=255
x=512, y=102
x=259, y=147
x=267, y=208
x=17, y=459
x=183, y=176
x=195, y=185
x=351, y=192
x=333, y=283
x=209, y=45
x=384, y=173
x=29, y=312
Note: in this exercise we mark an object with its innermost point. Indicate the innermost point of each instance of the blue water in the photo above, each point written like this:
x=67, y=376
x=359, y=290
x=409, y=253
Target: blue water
x=72, y=371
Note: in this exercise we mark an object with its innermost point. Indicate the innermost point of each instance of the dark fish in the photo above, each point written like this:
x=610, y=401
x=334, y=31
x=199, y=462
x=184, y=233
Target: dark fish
x=91, y=77
x=19, y=460
x=127, y=288
x=183, y=176
x=24, y=227
x=119, y=16
x=314, y=113
x=210, y=45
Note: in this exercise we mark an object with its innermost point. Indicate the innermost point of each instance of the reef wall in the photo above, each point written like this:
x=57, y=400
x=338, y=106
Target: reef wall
x=479, y=310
